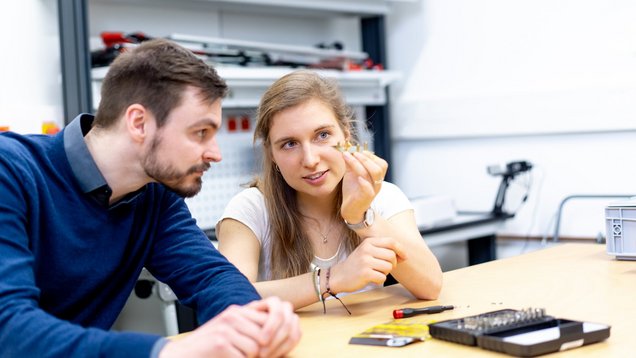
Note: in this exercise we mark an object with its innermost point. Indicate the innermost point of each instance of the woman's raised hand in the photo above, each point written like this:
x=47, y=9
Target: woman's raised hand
x=361, y=183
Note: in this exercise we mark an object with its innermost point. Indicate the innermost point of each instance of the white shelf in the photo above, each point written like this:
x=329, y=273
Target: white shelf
x=369, y=7
x=347, y=7
x=248, y=84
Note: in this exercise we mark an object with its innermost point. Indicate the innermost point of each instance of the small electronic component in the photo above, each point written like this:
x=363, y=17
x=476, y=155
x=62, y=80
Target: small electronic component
x=350, y=147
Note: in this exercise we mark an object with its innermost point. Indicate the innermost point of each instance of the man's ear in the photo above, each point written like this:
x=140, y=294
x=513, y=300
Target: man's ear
x=137, y=119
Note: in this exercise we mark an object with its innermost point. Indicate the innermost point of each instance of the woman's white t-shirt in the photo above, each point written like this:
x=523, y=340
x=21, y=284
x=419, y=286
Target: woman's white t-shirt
x=248, y=207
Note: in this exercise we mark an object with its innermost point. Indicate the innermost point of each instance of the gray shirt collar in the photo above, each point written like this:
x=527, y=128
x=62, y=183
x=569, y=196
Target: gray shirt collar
x=82, y=163
x=84, y=167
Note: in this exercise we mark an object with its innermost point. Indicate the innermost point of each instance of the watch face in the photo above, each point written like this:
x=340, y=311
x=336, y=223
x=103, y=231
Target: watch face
x=369, y=217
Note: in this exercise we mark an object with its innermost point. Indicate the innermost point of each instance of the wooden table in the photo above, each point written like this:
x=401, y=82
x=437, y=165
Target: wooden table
x=573, y=281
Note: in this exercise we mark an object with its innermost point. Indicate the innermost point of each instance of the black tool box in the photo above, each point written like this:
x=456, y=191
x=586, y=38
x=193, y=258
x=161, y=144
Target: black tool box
x=525, y=333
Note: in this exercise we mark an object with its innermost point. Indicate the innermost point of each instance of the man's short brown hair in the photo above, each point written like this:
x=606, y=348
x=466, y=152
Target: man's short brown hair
x=155, y=75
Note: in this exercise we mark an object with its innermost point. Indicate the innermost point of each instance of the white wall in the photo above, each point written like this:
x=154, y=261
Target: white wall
x=30, y=89
x=488, y=82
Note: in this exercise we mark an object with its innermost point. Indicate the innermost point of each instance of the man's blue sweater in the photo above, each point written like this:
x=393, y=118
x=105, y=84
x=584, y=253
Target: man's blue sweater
x=68, y=262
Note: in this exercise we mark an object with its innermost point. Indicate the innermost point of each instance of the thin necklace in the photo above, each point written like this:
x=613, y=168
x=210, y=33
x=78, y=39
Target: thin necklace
x=325, y=237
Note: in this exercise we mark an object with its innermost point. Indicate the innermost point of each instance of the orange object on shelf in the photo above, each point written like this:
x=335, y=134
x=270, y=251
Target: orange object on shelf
x=50, y=128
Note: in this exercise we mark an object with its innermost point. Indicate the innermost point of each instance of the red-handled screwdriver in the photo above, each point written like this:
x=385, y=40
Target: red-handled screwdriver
x=410, y=312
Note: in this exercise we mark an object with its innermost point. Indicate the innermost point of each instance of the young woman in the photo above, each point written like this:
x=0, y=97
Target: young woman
x=321, y=221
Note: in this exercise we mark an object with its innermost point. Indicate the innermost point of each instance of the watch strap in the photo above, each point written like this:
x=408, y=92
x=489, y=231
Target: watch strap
x=362, y=224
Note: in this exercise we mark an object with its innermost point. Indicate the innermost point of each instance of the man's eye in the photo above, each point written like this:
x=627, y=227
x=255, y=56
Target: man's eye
x=202, y=133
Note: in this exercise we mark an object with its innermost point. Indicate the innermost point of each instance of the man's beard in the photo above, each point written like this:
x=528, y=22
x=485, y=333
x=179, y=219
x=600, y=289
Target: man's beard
x=171, y=177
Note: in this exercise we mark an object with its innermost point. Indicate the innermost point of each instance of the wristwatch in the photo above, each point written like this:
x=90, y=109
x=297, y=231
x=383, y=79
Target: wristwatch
x=367, y=221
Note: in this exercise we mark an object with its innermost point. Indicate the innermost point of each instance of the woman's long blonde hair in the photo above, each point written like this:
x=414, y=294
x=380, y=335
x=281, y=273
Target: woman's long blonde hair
x=291, y=251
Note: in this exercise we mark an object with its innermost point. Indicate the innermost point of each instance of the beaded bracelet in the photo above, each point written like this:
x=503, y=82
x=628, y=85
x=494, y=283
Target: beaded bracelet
x=328, y=292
